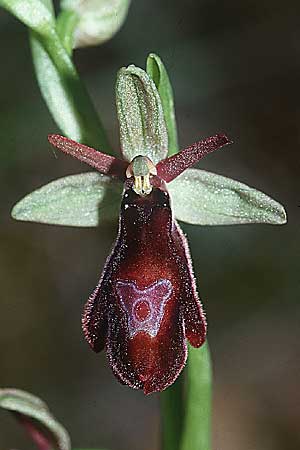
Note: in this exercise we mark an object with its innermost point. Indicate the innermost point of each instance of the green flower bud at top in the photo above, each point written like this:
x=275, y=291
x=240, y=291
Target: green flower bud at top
x=98, y=20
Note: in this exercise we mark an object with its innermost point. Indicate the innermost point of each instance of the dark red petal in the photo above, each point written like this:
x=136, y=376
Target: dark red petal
x=104, y=163
x=170, y=168
x=144, y=290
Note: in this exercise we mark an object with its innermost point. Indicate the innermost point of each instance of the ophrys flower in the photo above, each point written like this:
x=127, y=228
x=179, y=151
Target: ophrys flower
x=146, y=303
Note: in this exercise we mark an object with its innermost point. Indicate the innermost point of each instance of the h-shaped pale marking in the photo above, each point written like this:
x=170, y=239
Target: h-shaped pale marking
x=144, y=307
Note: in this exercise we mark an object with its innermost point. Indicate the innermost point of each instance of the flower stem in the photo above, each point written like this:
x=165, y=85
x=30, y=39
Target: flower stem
x=171, y=403
x=186, y=407
x=65, y=93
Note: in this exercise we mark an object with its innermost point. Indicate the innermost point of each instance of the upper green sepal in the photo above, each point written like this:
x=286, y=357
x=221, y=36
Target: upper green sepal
x=141, y=118
x=85, y=200
x=204, y=198
x=34, y=414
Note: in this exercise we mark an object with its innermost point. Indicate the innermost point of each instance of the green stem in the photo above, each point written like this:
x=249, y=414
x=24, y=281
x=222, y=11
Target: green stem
x=171, y=403
x=66, y=24
x=89, y=128
x=186, y=406
x=61, y=87
x=196, y=433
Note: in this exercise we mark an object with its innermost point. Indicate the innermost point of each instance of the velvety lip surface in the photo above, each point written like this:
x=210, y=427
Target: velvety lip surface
x=146, y=296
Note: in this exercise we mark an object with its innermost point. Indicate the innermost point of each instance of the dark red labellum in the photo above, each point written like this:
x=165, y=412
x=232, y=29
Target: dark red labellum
x=146, y=304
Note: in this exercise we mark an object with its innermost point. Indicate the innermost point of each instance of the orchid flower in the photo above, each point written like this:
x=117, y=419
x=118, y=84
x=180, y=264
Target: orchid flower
x=146, y=303
x=145, y=306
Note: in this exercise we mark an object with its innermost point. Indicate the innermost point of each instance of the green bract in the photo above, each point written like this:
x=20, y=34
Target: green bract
x=32, y=410
x=142, y=126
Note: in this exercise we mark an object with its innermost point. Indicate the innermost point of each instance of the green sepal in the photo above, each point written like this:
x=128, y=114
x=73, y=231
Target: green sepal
x=157, y=71
x=141, y=118
x=33, y=411
x=204, y=198
x=84, y=200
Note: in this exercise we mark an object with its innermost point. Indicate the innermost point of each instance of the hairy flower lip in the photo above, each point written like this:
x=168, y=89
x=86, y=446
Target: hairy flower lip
x=150, y=250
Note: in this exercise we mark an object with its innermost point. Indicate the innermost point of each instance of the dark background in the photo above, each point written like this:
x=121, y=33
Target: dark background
x=234, y=67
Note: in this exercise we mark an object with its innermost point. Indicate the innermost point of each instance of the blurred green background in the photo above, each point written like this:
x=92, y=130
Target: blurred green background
x=235, y=68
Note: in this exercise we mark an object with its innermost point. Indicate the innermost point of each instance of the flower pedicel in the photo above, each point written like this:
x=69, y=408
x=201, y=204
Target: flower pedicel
x=146, y=303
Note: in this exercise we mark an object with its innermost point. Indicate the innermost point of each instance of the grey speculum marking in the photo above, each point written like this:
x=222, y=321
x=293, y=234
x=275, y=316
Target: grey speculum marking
x=144, y=307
